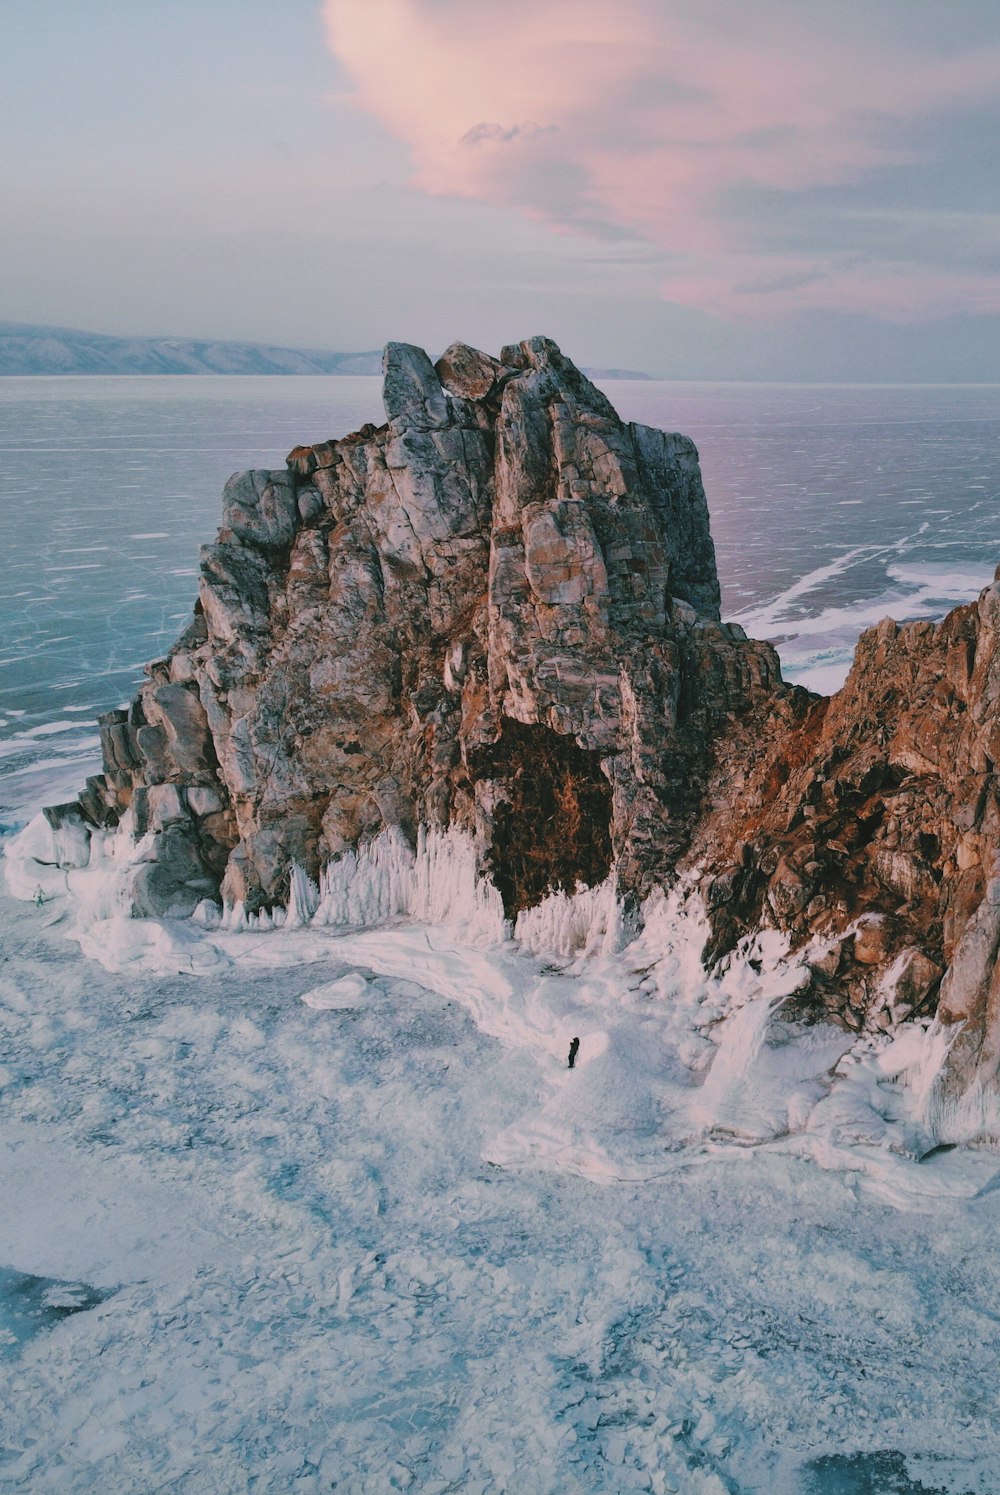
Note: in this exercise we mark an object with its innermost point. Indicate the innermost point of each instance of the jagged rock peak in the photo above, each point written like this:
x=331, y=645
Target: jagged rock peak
x=477, y=614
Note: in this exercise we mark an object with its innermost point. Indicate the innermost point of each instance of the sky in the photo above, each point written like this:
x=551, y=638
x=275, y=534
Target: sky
x=787, y=189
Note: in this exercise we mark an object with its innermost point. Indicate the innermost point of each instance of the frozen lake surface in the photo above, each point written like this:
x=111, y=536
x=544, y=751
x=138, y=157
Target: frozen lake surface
x=297, y=1265
x=333, y=1214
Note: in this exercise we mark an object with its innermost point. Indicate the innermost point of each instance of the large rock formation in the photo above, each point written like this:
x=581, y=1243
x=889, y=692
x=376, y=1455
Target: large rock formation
x=496, y=611
x=500, y=611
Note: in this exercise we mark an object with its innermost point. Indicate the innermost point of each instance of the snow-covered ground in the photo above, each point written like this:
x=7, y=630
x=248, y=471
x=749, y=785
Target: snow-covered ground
x=333, y=1214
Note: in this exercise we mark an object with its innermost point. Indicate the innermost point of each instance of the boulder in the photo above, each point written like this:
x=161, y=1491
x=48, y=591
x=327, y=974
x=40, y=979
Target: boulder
x=467, y=373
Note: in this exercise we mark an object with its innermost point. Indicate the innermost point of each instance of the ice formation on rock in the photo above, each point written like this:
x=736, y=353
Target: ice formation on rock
x=468, y=668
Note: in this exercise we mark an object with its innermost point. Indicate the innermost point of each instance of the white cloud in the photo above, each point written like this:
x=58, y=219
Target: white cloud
x=645, y=117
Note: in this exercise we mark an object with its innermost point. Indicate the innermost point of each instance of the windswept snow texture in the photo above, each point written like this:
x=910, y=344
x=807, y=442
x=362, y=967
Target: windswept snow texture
x=336, y=1215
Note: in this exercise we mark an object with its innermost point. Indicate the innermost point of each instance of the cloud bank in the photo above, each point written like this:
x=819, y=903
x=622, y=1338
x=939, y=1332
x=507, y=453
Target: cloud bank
x=776, y=156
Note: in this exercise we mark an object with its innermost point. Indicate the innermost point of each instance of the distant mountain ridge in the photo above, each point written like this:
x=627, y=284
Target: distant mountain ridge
x=29, y=349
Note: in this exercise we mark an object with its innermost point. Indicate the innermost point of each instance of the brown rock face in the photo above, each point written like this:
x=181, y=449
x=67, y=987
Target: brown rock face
x=500, y=611
x=497, y=611
x=871, y=824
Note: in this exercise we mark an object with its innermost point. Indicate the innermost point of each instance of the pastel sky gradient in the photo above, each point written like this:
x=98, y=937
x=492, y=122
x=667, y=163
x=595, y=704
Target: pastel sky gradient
x=707, y=188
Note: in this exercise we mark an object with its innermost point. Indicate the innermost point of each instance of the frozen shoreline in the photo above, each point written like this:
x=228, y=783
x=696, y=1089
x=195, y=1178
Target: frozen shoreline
x=674, y=1055
x=320, y=1203
x=314, y=1271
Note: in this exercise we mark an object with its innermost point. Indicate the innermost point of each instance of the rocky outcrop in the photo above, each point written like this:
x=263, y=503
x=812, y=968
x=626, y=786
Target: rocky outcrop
x=500, y=611
x=497, y=611
x=869, y=829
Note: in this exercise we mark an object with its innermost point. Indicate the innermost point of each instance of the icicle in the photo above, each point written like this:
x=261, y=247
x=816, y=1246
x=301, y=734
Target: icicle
x=439, y=885
x=588, y=922
x=369, y=886
x=448, y=888
x=303, y=899
x=234, y=917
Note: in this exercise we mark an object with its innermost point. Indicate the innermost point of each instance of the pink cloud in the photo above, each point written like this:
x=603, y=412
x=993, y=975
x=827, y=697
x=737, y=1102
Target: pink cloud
x=646, y=117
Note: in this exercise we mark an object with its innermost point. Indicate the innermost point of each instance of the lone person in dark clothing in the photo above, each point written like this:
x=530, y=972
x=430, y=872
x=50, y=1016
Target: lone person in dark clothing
x=574, y=1049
